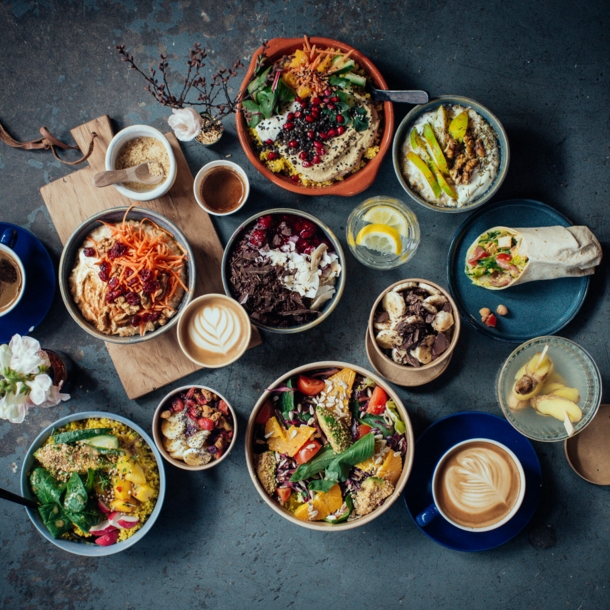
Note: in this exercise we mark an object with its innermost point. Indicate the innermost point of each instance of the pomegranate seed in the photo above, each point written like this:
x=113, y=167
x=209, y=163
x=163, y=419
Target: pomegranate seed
x=265, y=222
x=89, y=252
x=135, y=321
x=298, y=100
x=340, y=130
x=146, y=275
x=293, y=143
x=269, y=142
x=330, y=106
x=334, y=98
x=309, y=118
x=103, y=276
x=323, y=135
x=178, y=405
x=318, y=144
x=328, y=92
x=272, y=156
x=340, y=118
x=306, y=164
x=294, y=178
x=315, y=113
x=316, y=159
x=191, y=393
x=326, y=100
x=288, y=126
x=303, y=156
x=290, y=116
x=332, y=132
x=205, y=423
x=311, y=135
x=322, y=151
x=315, y=100
x=298, y=114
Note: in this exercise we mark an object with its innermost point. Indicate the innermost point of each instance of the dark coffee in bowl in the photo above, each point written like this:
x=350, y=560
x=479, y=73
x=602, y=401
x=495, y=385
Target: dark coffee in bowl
x=222, y=190
x=477, y=485
x=11, y=281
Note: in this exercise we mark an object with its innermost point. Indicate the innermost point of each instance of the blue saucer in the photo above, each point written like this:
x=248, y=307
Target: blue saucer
x=433, y=443
x=39, y=285
x=535, y=309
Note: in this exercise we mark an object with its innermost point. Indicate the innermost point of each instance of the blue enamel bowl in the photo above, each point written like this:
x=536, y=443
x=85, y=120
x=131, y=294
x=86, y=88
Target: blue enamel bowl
x=83, y=548
x=405, y=127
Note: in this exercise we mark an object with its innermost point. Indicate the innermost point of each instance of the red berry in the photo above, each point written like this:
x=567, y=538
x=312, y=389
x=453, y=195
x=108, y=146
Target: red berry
x=328, y=92
x=294, y=178
x=332, y=132
x=128, y=272
x=103, y=276
x=340, y=118
x=269, y=142
x=265, y=222
x=146, y=316
x=177, y=405
x=205, y=423
x=105, y=267
x=311, y=135
x=190, y=393
x=316, y=159
x=330, y=106
x=288, y=126
x=309, y=118
x=298, y=100
x=293, y=143
x=318, y=144
x=135, y=321
x=334, y=98
x=290, y=116
x=303, y=156
x=271, y=156
x=326, y=99
x=308, y=228
x=306, y=164
x=321, y=151
x=89, y=252
x=315, y=100
x=151, y=287
x=155, y=316
x=146, y=275
x=113, y=283
x=132, y=298
x=340, y=130
x=258, y=238
x=323, y=135
x=117, y=250
x=298, y=114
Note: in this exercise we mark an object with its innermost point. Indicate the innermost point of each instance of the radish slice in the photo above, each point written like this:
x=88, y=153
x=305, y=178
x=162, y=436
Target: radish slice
x=105, y=527
x=122, y=520
x=105, y=509
x=108, y=539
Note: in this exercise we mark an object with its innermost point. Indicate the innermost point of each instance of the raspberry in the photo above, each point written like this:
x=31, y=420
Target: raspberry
x=265, y=222
x=258, y=238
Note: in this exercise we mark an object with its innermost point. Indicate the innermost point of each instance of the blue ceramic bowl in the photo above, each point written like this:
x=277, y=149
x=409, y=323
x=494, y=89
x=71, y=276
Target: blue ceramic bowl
x=416, y=113
x=75, y=241
x=83, y=548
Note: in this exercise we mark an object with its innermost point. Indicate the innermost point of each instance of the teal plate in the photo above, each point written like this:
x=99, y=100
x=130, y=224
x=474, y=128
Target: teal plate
x=534, y=309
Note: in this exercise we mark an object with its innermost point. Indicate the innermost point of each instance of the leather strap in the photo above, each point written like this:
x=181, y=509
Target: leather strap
x=48, y=141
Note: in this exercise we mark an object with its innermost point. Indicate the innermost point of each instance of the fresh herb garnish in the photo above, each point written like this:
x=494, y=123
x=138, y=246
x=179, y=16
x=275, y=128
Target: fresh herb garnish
x=321, y=485
x=361, y=450
x=322, y=459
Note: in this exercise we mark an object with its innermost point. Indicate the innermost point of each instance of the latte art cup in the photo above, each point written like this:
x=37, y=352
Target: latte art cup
x=214, y=330
x=482, y=484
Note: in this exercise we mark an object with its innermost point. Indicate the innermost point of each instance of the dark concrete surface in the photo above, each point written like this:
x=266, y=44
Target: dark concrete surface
x=542, y=68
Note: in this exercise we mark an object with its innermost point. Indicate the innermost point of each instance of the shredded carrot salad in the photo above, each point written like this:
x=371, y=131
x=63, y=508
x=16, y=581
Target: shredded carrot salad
x=141, y=267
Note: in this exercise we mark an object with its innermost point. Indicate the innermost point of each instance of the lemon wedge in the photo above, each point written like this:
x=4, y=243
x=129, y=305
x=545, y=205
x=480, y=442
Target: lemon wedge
x=386, y=215
x=381, y=238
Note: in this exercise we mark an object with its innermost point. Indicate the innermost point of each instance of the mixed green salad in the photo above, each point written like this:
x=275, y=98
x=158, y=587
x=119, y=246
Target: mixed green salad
x=329, y=446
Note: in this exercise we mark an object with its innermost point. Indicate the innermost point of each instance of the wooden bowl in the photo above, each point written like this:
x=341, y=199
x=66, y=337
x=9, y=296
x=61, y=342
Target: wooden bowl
x=354, y=183
x=320, y=525
x=406, y=375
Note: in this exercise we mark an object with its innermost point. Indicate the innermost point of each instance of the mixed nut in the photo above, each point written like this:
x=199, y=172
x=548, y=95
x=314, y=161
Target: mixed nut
x=414, y=323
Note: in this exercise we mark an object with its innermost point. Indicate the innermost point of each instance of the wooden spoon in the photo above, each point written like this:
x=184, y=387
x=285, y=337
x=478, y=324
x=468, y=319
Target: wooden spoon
x=138, y=173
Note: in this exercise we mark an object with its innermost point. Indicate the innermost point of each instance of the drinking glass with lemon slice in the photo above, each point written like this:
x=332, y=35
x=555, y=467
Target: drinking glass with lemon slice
x=382, y=232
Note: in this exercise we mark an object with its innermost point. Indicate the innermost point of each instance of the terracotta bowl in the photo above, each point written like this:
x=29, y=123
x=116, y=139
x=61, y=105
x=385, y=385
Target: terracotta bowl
x=406, y=375
x=321, y=525
x=158, y=436
x=355, y=183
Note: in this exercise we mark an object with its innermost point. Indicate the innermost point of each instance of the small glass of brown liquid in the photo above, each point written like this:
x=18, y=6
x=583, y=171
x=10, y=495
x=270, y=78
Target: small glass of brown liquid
x=221, y=187
x=12, y=274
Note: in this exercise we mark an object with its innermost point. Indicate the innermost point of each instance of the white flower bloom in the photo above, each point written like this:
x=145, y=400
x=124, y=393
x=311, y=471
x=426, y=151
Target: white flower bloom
x=14, y=407
x=53, y=397
x=25, y=358
x=39, y=387
x=186, y=123
x=5, y=357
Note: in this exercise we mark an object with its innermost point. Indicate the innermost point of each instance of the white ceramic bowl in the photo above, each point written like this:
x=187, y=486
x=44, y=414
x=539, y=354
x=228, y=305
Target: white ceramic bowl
x=129, y=133
x=205, y=170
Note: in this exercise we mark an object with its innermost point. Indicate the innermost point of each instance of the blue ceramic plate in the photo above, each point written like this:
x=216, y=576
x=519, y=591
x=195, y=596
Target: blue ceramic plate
x=440, y=437
x=534, y=309
x=39, y=286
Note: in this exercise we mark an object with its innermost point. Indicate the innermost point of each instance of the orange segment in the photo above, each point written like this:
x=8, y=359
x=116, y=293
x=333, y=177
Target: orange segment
x=323, y=503
x=391, y=468
x=286, y=441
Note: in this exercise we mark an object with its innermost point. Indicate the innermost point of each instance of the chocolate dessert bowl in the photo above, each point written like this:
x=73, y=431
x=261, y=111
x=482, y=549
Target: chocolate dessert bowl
x=258, y=282
x=422, y=326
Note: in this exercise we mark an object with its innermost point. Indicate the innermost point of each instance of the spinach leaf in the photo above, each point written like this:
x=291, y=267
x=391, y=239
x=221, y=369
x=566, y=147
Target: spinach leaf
x=266, y=102
x=399, y=425
x=76, y=494
x=322, y=459
x=84, y=520
x=79, y=435
x=89, y=482
x=488, y=263
x=284, y=93
x=258, y=83
x=54, y=519
x=46, y=488
x=375, y=421
x=360, y=451
x=287, y=400
x=321, y=485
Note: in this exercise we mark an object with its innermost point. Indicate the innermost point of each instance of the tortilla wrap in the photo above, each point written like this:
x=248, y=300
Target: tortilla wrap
x=552, y=253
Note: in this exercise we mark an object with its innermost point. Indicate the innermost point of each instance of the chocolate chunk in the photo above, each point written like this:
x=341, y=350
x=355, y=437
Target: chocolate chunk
x=412, y=361
x=430, y=318
x=447, y=307
x=384, y=316
x=441, y=343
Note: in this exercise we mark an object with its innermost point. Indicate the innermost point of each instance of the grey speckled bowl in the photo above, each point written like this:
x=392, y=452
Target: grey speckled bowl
x=418, y=111
x=83, y=548
x=339, y=285
x=75, y=241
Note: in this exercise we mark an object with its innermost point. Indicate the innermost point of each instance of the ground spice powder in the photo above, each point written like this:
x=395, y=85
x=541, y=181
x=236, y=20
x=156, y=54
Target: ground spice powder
x=142, y=150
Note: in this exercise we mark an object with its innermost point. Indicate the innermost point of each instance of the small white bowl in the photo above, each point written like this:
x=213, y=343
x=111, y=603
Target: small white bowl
x=141, y=131
x=205, y=170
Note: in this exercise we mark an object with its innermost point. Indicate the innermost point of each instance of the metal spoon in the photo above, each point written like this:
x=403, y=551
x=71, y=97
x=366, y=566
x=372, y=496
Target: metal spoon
x=402, y=97
x=11, y=497
x=138, y=173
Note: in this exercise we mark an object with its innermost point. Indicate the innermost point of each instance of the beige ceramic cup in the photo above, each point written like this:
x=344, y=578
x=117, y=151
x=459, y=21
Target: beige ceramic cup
x=405, y=375
x=209, y=167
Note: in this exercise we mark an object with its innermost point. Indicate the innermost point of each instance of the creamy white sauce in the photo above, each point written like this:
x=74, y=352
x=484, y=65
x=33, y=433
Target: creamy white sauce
x=269, y=129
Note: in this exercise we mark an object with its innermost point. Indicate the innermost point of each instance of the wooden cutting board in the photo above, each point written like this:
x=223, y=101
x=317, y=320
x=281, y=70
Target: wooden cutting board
x=146, y=366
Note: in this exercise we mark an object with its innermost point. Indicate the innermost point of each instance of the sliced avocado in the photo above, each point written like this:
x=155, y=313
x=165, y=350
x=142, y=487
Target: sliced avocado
x=425, y=170
x=336, y=432
x=459, y=126
x=103, y=441
x=434, y=149
x=418, y=145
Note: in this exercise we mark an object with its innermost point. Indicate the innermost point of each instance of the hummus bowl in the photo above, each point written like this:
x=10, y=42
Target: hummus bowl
x=306, y=284
x=368, y=159
x=153, y=463
x=451, y=154
x=373, y=478
x=73, y=255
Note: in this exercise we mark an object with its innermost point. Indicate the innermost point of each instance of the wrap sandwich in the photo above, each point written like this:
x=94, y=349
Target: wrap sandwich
x=503, y=257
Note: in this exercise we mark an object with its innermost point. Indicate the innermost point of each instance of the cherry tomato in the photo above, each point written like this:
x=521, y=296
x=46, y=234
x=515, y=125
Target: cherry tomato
x=205, y=423
x=491, y=320
x=479, y=253
x=377, y=401
x=284, y=493
x=307, y=451
x=310, y=386
x=265, y=414
x=362, y=430
x=503, y=261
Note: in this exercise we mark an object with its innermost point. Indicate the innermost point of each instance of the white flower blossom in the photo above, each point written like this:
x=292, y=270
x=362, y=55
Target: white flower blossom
x=186, y=123
x=53, y=397
x=25, y=357
x=39, y=387
x=5, y=357
x=14, y=406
